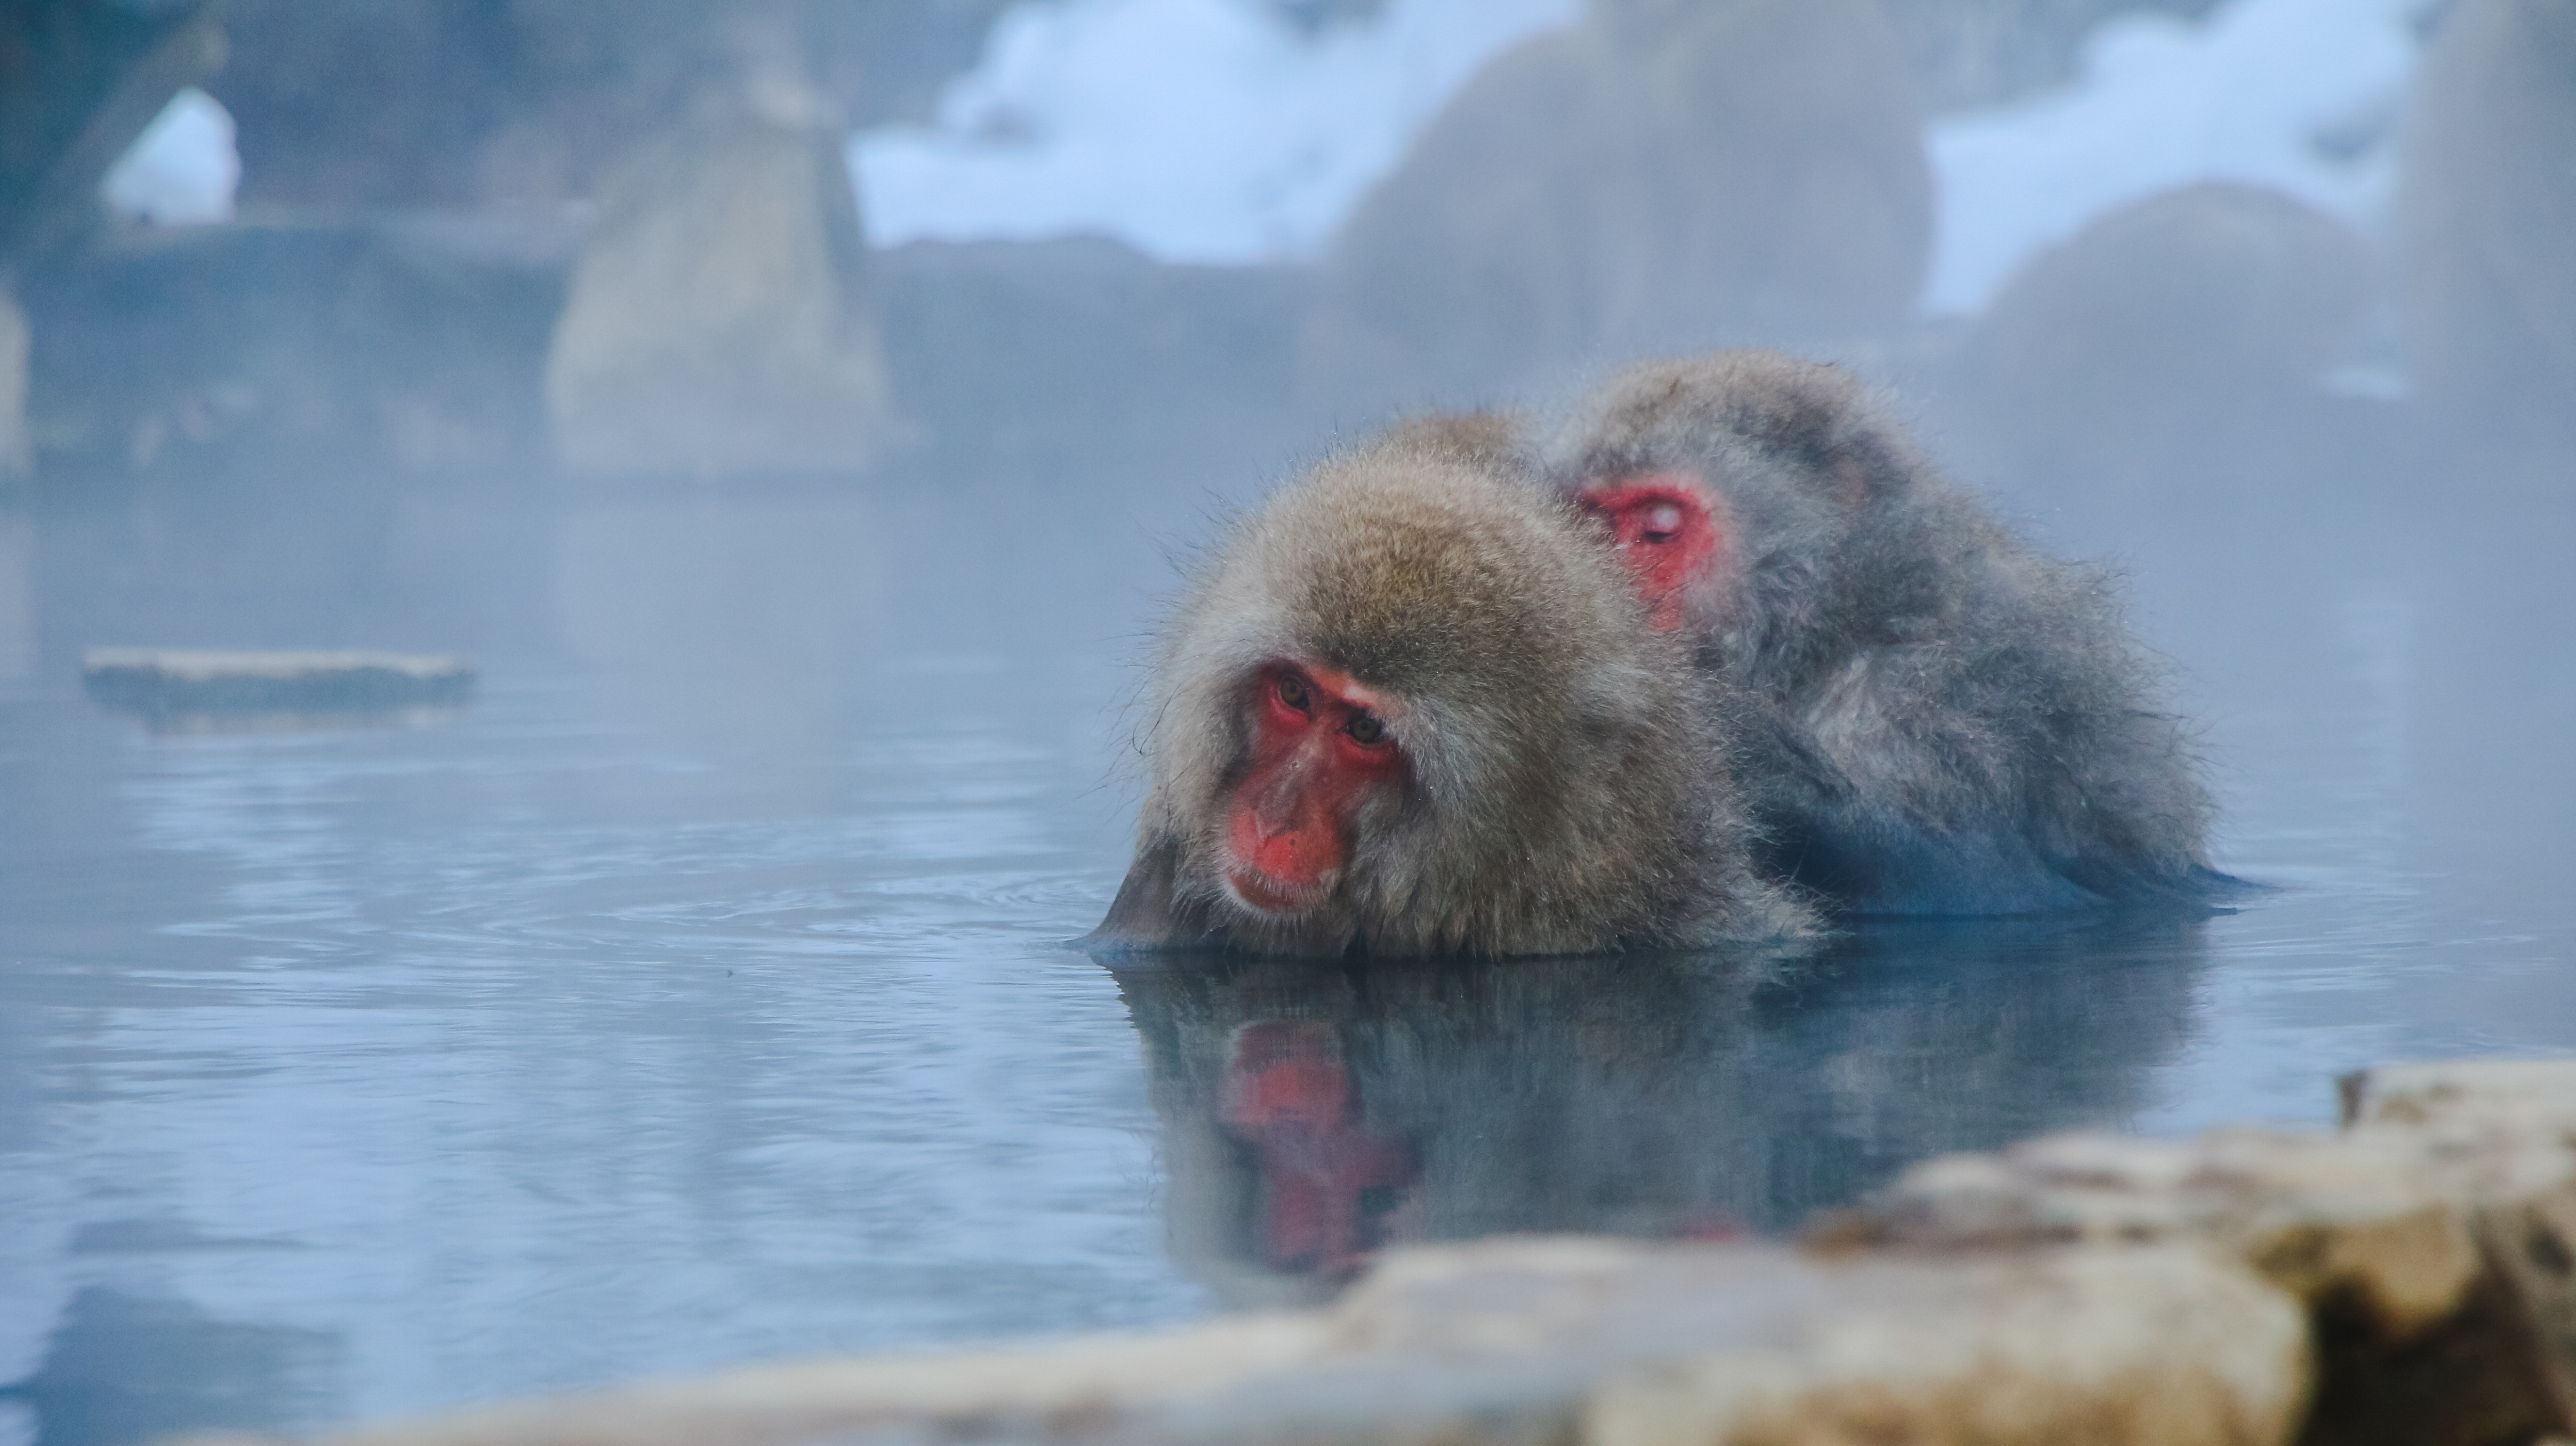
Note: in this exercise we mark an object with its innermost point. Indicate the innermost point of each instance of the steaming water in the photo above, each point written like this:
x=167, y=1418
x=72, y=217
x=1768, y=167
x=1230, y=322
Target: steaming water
x=700, y=995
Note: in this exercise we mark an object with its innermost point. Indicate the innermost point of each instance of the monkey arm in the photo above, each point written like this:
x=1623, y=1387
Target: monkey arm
x=1148, y=912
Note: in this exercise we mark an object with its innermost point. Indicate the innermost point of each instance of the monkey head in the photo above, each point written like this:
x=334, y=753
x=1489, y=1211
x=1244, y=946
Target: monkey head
x=1410, y=708
x=1735, y=487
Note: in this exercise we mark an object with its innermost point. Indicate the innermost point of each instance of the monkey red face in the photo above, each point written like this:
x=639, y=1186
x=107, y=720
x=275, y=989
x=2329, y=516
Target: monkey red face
x=1668, y=529
x=1320, y=748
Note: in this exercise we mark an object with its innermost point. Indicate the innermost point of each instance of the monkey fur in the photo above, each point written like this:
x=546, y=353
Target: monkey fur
x=1945, y=722
x=1564, y=786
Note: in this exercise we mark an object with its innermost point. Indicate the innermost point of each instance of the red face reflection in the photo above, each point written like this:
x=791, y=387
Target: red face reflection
x=1326, y=1183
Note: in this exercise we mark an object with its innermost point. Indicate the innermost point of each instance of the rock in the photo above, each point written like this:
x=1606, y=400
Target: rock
x=438, y=104
x=1662, y=178
x=164, y=682
x=2485, y=206
x=2404, y=1280
x=2466, y=1089
x=1970, y=53
x=1554, y=1339
x=409, y=345
x=2181, y=326
x=720, y=320
x=2433, y=1242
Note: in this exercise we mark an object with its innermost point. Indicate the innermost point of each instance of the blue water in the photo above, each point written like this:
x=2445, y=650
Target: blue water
x=701, y=994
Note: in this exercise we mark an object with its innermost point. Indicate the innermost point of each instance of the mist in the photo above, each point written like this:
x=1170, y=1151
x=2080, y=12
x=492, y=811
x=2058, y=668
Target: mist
x=803, y=413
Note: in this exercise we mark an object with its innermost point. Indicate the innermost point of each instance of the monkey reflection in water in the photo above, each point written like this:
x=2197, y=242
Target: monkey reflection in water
x=1314, y=1111
x=1328, y=1183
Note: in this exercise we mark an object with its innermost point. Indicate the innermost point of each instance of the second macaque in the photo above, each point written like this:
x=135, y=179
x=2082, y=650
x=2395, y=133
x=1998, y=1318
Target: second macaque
x=1410, y=708
x=1945, y=722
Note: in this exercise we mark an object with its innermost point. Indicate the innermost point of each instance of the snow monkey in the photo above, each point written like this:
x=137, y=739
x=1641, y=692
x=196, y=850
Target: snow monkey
x=1410, y=708
x=1944, y=721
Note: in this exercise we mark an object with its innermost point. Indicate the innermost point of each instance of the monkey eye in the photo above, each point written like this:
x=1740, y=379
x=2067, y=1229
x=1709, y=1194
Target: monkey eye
x=1663, y=522
x=1366, y=731
x=1292, y=691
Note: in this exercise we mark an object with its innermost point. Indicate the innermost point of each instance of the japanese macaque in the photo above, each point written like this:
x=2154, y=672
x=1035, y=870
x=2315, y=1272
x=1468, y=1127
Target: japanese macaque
x=1945, y=722
x=1410, y=708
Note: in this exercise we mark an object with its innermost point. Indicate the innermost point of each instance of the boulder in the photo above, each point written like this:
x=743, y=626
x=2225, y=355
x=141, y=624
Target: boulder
x=1660, y=178
x=2486, y=207
x=1561, y=1339
x=2465, y=1089
x=2433, y=1240
x=2409, y=1278
x=720, y=320
x=2187, y=323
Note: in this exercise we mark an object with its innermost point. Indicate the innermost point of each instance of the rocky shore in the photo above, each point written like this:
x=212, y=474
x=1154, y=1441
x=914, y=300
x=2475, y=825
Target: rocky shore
x=2408, y=1278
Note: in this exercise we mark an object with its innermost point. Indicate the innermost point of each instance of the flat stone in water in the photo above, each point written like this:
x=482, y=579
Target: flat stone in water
x=170, y=686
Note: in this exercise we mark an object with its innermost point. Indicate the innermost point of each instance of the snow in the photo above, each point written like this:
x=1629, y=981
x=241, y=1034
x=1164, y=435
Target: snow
x=2243, y=95
x=182, y=170
x=1195, y=130
x=1210, y=131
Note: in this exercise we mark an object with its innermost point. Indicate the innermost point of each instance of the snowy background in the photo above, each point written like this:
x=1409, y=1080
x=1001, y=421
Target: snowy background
x=1203, y=130
x=1209, y=131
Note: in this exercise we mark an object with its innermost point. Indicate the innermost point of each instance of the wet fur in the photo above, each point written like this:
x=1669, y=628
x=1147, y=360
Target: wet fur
x=1946, y=722
x=1565, y=787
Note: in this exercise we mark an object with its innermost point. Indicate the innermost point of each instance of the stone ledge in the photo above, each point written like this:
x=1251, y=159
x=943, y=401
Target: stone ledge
x=2431, y=1241
x=2410, y=1278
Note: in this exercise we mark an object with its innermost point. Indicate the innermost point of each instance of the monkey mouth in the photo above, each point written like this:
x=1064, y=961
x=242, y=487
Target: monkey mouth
x=1273, y=898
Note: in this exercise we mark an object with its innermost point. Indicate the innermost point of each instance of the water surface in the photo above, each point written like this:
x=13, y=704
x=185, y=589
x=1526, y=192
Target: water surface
x=702, y=994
